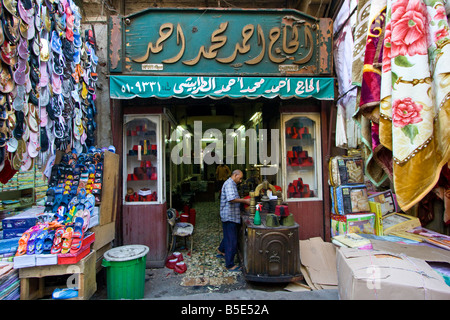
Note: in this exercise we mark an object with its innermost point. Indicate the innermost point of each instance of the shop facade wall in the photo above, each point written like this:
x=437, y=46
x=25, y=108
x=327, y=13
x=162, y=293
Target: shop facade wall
x=110, y=112
x=96, y=9
x=311, y=7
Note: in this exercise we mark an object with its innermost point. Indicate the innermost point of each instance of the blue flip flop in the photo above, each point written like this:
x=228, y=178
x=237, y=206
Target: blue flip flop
x=40, y=241
x=48, y=242
x=31, y=244
x=65, y=293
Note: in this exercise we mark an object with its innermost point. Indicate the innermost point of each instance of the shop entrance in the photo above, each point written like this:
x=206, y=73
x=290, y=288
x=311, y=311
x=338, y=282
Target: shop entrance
x=195, y=183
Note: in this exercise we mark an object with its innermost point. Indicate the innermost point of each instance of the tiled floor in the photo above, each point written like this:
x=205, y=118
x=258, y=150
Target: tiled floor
x=204, y=267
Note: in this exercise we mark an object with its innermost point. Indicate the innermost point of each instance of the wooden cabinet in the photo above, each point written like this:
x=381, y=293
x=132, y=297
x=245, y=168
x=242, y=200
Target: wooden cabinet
x=147, y=225
x=269, y=254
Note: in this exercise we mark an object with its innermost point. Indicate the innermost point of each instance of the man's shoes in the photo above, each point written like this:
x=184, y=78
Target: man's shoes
x=220, y=254
x=235, y=269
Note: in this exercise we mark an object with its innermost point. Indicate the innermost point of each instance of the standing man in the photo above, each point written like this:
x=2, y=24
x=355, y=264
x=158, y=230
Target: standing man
x=230, y=214
x=222, y=174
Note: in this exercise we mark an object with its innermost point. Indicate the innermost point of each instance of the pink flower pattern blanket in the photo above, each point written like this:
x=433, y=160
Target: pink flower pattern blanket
x=415, y=92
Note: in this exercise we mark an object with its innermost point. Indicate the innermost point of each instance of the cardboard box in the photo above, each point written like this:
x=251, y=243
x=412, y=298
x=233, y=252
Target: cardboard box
x=46, y=259
x=399, y=222
x=352, y=240
x=381, y=275
x=25, y=219
x=376, y=208
x=346, y=170
x=25, y=261
x=318, y=259
x=9, y=245
x=13, y=233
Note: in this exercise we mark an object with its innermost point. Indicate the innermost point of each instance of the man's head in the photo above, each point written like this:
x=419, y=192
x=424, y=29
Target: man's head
x=237, y=176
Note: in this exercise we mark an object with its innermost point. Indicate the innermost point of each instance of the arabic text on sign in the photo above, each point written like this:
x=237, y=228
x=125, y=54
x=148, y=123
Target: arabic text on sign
x=219, y=40
x=194, y=86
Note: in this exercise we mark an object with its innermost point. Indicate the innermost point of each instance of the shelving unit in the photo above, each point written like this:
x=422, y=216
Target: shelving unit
x=20, y=188
x=301, y=160
x=142, y=160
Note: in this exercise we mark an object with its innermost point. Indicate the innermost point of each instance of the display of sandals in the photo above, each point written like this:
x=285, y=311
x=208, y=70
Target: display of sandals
x=47, y=82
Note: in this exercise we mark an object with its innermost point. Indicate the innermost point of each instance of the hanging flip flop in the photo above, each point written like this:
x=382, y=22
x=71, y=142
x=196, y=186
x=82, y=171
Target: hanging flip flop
x=11, y=27
x=56, y=43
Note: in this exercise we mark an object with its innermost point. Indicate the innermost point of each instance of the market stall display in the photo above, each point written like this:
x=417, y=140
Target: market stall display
x=47, y=93
x=47, y=104
x=61, y=226
x=74, y=226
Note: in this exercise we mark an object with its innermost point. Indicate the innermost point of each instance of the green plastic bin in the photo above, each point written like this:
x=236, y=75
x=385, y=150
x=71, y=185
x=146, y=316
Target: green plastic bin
x=125, y=273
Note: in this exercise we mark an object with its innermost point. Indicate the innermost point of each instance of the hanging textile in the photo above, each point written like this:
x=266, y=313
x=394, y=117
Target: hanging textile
x=415, y=90
x=442, y=191
x=342, y=49
x=359, y=48
x=367, y=116
x=360, y=37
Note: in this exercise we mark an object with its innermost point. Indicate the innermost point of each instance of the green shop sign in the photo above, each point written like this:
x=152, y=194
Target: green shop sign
x=128, y=87
x=220, y=42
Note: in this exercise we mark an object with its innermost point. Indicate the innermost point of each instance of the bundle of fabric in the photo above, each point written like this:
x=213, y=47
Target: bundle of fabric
x=9, y=282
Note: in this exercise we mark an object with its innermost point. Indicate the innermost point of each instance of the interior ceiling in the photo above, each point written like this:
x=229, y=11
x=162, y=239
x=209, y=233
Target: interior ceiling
x=217, y=114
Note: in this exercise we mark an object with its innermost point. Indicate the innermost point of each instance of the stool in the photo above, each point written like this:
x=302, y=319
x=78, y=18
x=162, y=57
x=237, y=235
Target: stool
x=182, y=229
x=179, y=229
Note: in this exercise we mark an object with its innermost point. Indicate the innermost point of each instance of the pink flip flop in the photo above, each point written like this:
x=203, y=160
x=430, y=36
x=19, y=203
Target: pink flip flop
x=56, y=83
x=43, y=81
x=86, y=219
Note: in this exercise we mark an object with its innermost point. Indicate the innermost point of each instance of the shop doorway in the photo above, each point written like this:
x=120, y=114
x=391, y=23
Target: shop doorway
x=194, y=184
